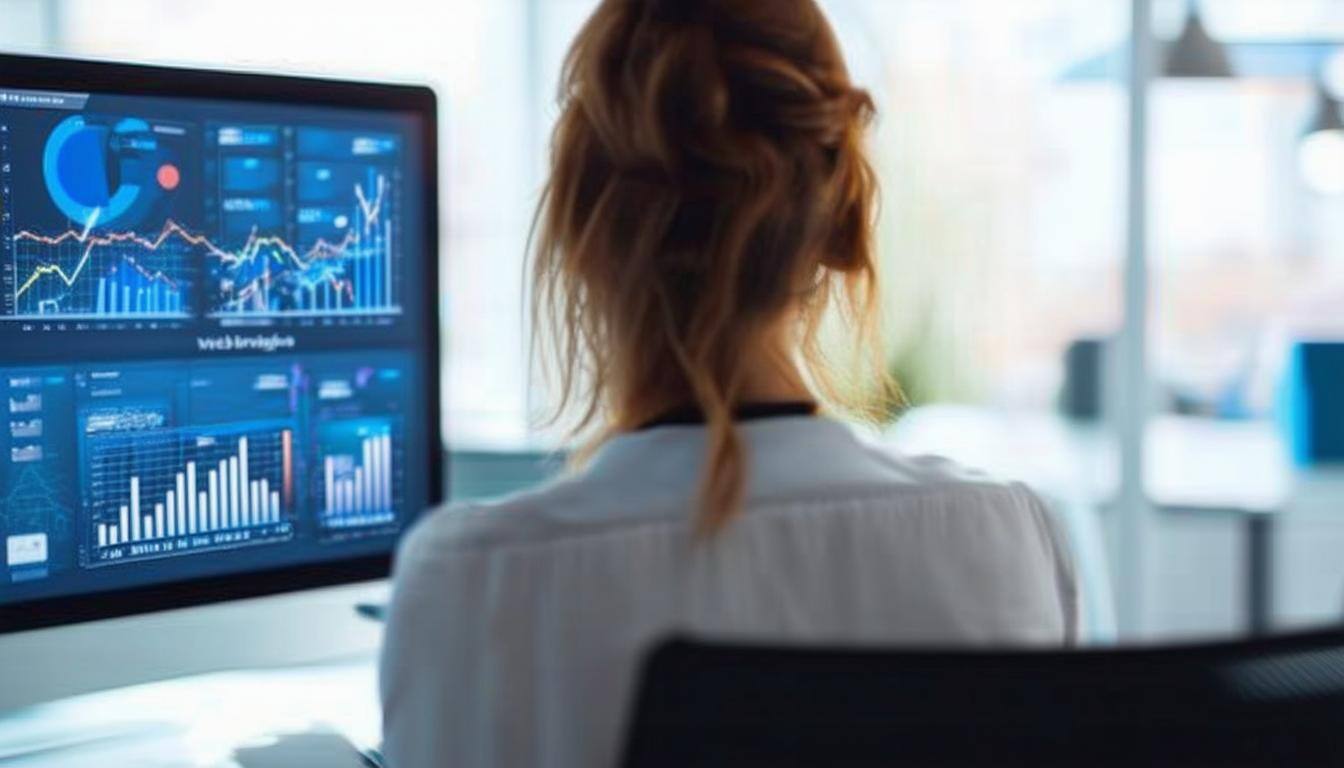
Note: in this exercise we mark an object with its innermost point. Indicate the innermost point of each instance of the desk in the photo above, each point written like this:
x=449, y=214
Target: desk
x=225, y=720
x=1192, y=466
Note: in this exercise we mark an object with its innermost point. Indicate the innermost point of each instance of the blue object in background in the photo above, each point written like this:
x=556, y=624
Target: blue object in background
x=1311, y=407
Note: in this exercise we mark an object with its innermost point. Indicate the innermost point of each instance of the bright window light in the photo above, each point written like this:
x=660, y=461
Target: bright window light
x=1320, y=159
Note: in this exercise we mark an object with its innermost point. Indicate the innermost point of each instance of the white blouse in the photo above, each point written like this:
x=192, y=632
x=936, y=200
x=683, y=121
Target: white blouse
x=516, y=627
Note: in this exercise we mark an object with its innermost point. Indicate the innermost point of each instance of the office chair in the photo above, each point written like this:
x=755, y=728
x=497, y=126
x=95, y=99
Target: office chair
x=1272, y=701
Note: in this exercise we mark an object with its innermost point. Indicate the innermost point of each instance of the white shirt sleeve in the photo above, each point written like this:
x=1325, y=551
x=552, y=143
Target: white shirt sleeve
x=1066, y=580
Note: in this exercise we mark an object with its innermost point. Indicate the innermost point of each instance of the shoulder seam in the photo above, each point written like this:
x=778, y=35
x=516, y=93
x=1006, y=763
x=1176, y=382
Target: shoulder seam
x=767, y=508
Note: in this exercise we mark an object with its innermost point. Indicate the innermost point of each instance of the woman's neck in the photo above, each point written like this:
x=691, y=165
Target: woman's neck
x=771, y=376
x=761, y=388
x=774, y=389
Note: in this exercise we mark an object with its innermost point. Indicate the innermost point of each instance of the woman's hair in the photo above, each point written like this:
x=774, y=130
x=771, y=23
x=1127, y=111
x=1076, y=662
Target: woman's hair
x=707, y=177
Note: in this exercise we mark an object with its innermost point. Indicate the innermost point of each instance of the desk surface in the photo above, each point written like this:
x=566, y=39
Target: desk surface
x=1190, y=463
x=300, y=717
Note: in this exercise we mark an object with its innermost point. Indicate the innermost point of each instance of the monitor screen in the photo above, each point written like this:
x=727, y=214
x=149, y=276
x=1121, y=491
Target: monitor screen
x=216, y=320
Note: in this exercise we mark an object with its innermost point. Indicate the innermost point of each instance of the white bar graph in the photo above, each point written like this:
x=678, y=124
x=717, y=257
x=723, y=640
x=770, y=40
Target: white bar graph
x=135, y=509
x=212, y=494
x=235, y=521
x=224, y=495
x=358, y=490
x=225, y=499
x=190, y=491
x=180, y=496
x=243, y=485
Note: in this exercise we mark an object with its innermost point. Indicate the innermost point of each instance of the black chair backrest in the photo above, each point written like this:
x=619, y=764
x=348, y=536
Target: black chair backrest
x=1272, y=701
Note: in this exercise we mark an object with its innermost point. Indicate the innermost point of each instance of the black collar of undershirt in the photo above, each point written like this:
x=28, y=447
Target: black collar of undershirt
x=691, y=414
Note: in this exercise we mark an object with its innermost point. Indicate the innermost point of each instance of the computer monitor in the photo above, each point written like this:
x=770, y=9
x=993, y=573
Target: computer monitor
x=219, y=367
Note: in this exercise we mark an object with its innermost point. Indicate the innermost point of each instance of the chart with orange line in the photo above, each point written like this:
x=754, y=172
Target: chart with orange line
x=308, y=221
x=146, y=220
x=81, y=245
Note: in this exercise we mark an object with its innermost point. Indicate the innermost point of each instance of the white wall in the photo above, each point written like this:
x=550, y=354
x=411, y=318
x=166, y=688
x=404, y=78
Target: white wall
x=25, y=25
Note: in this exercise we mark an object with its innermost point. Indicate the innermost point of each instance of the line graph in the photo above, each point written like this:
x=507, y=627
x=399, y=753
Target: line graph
x=138, y=223
x=124, y=274
x=352, y=273
x=117, y=274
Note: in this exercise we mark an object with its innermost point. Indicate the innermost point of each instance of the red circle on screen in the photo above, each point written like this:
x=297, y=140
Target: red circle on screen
x=168, y=176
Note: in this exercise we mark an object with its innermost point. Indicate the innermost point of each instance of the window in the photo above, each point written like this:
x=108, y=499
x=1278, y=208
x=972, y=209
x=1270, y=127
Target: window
x=1244, y=248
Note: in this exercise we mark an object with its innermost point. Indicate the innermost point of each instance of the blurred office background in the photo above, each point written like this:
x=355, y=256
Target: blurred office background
x=1017, y=256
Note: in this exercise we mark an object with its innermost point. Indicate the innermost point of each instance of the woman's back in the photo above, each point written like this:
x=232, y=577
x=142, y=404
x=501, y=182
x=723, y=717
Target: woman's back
x=517, y=627
x=709, y=200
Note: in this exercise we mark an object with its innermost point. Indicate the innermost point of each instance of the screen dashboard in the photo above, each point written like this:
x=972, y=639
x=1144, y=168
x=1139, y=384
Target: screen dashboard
x=213, y=338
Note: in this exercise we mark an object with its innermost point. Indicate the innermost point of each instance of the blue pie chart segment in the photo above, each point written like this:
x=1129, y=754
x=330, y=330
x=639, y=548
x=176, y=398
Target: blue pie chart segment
x=83, y=170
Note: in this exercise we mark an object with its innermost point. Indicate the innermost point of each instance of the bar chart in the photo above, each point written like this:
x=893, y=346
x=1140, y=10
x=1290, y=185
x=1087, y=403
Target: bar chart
x=182, y=491
x=359, y=483
x=117, y=298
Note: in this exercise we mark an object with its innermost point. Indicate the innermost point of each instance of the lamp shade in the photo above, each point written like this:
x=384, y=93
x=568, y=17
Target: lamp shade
x=1326, y=116
x=1194, y=53
x=1320, y=152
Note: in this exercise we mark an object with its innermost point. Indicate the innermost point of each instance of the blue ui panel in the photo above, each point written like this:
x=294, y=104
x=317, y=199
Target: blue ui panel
x=210, y=361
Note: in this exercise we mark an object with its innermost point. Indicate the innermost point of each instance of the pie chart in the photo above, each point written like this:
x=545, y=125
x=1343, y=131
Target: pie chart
x=104, y=171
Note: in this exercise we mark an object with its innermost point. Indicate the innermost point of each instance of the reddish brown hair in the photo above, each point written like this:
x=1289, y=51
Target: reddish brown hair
x=707, y=178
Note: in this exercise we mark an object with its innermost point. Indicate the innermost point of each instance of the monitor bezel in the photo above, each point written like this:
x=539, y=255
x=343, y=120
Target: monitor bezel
x=90, y=76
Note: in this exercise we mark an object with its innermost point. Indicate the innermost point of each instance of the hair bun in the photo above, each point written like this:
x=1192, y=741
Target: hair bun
x=708, y=180
x=675, y=11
